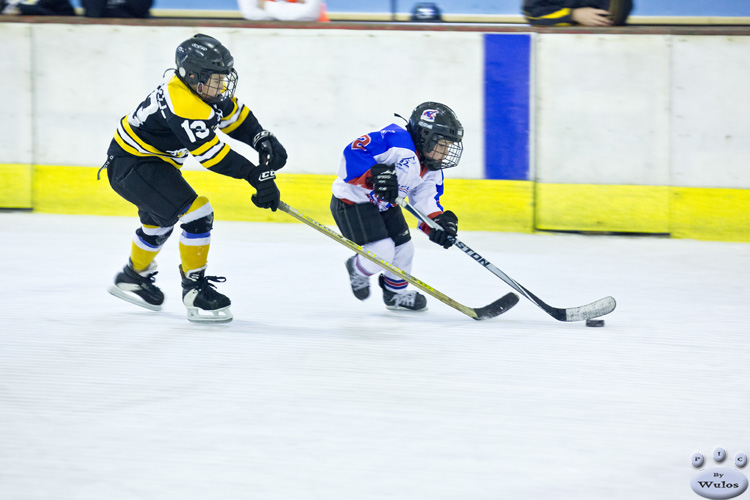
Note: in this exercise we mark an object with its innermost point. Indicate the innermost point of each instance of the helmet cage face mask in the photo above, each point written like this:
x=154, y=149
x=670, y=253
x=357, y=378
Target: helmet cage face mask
x=440, y=152
x=216, y=87
x=437, y=135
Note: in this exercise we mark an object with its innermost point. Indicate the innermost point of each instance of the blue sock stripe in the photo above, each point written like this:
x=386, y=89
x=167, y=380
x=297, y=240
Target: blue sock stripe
x=146, y=243
x=395, y=284
x=195, y=236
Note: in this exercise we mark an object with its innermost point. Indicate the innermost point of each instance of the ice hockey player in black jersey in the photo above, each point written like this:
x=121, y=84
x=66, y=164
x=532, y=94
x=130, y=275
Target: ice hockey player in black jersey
x=594, y=13
x=177, y=120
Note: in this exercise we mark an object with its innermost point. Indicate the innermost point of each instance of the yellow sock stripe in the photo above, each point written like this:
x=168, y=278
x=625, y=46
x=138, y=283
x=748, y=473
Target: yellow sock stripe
x=193, y=256
x=194, y=251
x=142, y=257
x=200, y=207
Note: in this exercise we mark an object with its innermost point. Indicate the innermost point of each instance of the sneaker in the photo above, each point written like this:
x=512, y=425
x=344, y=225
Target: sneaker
x=404, y=301
x=360, y=283
x=200, y=297
x=138, y=287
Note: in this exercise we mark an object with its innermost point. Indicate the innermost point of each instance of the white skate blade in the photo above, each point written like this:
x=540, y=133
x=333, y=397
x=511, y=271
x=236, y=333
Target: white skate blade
x=196, y=315
x=132, y=298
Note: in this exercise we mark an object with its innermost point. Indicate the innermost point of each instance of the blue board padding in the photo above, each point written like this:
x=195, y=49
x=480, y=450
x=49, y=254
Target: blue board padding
x=506, y=106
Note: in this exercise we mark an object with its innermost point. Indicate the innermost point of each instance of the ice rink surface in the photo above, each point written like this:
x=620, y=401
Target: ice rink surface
x=311, y=394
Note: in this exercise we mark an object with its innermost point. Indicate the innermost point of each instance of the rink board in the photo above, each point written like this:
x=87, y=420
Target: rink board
x=482, y=205
x=75, y=190
x=648, y=142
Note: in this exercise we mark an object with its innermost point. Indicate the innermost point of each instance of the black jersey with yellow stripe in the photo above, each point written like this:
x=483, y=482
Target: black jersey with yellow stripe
x=173, y=122
x=560, y=12
x=549, y=12
x=557, y=12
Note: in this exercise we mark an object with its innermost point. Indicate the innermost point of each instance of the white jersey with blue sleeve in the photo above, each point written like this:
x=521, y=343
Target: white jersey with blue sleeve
x=391, y=145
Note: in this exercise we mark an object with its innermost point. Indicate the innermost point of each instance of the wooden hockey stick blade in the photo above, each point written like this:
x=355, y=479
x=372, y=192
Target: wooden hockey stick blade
x=490, y=311
x=589, y=311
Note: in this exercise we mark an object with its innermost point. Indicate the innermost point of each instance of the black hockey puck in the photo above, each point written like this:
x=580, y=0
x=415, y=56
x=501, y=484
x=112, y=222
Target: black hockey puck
x=594, y=322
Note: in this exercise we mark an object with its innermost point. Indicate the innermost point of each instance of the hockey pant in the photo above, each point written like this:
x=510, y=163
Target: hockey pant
x=385, y=234
x=163, y=198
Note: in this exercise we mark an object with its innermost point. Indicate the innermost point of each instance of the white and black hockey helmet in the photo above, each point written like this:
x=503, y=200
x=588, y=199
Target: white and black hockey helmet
x=435, y=127
x=201, y=57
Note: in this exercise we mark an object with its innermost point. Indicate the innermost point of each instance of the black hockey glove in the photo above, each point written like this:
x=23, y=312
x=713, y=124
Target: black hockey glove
x=385, y=182
x=270, y=151
x=266, y=193
x=449, y=227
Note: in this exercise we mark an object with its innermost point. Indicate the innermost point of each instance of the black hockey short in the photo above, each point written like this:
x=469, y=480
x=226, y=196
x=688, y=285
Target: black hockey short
x=158, y=189
x=364, y=223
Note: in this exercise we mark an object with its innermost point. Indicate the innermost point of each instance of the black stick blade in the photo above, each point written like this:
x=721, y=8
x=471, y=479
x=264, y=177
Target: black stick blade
x=497, y=308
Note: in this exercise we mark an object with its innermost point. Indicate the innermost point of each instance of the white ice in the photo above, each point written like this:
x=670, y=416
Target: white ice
x=311, y=394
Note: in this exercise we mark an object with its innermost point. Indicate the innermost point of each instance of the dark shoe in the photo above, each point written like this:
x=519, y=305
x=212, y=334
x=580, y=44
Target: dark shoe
x=138, y=287
x=360, y=283
x=200, y=296
x=404, y=301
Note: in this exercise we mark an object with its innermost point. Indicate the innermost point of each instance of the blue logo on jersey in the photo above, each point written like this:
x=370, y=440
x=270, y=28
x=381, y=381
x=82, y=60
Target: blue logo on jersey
x=405, y=163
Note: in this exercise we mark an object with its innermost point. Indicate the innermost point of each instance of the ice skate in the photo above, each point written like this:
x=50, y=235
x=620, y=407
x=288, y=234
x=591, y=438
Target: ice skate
x=204, y=304
x=405, y=301
x=360, y=283
x=138, y=287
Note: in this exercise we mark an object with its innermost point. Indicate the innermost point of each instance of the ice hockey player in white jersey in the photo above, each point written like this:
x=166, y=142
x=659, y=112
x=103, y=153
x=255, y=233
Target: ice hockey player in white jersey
x=178, y=119
x=378, y=168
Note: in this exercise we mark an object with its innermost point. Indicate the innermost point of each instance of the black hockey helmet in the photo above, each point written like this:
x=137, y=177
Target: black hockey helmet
x=198, y=59
x=437, y=135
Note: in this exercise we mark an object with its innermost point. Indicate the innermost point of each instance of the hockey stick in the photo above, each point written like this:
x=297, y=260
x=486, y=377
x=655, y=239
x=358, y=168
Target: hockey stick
x=589, y=311
x=490, y=311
